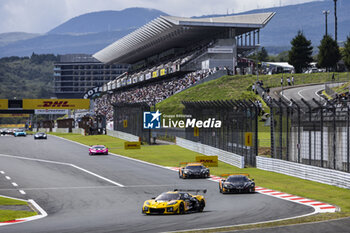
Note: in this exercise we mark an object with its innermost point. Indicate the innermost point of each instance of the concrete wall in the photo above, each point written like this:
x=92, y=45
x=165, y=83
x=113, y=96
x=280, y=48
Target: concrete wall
x=307, y=172
x=122, y=135
x=224, y=156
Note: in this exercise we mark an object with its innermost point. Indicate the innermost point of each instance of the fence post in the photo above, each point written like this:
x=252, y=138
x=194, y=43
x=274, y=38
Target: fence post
x=321, y=125
x=347, y=141
x=298, y=146
x=310, y=120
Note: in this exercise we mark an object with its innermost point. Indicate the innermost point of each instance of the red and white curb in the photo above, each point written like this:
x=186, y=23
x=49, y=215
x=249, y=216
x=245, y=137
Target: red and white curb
x=319, y=207
x=41, y=213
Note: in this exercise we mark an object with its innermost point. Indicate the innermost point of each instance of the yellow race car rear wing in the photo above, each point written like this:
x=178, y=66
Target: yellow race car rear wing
x=191, y=190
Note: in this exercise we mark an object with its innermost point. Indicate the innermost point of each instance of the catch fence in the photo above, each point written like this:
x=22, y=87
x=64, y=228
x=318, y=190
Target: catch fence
x=311, y=132
x=128, y=118
x=239, y=120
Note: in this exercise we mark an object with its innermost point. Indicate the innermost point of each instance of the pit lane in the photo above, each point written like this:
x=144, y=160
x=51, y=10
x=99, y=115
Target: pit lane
x=77, y=201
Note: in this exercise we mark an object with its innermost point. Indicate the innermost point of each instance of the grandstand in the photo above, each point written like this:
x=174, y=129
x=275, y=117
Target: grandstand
x=170, y=54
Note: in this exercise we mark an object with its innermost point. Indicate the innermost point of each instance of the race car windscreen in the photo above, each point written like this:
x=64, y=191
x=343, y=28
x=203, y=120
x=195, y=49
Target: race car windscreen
x=168, y=197
x=194, y=167
x=99, y=147
x=237, y=179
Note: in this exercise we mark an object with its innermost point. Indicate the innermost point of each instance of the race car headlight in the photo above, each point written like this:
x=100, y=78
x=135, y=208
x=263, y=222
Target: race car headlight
x=147, y=203
x=170, y=209
x=172, y=202
x=145, y=208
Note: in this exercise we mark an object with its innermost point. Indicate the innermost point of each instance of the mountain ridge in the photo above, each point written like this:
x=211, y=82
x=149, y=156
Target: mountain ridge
x=105, y=27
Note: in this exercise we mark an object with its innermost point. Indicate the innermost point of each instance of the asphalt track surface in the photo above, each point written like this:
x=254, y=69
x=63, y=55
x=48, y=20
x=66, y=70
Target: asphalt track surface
x=78, y=201
x=305, y=92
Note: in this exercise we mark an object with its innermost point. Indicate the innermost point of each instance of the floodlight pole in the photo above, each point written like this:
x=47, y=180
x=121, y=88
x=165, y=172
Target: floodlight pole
x=335, y=21
x=326, y=21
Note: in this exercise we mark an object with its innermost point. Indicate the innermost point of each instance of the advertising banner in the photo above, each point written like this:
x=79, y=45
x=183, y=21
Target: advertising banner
x=155, y=74
x=163, y=72
x=51, y=111
x=4, y=104
x=209, y=161
x=14, y=115
x=132, y=145
x=56, y=103
x=12, y=125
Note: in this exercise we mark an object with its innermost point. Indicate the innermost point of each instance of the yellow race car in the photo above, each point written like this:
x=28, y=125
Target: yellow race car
x=178, y=201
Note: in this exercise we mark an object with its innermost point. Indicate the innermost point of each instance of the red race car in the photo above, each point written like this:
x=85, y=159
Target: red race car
x=98, y=150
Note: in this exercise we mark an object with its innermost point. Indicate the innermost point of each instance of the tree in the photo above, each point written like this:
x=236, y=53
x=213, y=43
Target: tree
x=300, y=54
x=329, y=53
x=346, y=53
x=262, y=54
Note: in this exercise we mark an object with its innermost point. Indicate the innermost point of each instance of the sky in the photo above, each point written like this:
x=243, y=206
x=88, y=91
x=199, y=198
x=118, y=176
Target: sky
x=40, y=16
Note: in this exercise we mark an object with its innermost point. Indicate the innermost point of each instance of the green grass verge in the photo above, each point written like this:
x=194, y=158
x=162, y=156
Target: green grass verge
x=238, y=87
x=8, y=215
x=172, y=155
x=9, y=201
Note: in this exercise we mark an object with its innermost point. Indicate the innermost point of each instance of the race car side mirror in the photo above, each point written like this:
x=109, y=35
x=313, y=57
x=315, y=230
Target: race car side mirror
x=252, y=179
x=153, y=198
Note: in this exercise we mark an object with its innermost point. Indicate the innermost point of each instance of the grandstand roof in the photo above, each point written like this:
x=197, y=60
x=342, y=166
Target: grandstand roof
x=167, y=32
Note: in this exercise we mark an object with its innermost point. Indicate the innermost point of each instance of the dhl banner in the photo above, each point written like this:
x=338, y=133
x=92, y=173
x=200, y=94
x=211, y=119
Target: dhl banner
x=12, y=125
x=132, y=145
x=14, y=115
x=209, y=161
x=56, y=103
x=4, y=104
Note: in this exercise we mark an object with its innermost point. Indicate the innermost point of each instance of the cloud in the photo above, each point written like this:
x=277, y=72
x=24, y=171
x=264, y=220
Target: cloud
x=41, y=16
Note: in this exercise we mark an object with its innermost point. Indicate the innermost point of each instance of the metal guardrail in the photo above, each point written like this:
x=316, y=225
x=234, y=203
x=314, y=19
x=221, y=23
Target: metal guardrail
x=307, y=172
x=224, y=156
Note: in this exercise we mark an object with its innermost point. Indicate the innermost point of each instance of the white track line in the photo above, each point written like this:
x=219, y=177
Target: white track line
x=14, y=184
x=8, y=178
x=299, y=93
x=98, y=176
x=67, y=164
x=22, y=192
x=316, y=93
x=116, y=155
x=2, y=172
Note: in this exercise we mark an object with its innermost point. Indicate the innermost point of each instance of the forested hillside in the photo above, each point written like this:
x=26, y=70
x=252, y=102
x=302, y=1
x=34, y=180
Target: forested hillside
x=27, y=77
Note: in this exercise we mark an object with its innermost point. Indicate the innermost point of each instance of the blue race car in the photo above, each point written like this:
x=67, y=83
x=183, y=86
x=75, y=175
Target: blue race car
x=20, y=132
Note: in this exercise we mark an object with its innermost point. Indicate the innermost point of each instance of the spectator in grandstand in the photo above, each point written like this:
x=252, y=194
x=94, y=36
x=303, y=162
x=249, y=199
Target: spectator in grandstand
x=150, y=93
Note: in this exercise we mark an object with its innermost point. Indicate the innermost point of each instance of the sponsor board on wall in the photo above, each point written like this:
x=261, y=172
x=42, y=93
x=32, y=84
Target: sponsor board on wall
x=14, y=115
x=56, y=103
x=4, y=104
x=51, y=111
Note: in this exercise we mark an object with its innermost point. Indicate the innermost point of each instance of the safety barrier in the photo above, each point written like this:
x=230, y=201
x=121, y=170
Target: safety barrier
x=307, y=172
x=224, y=156
x=122, y=135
